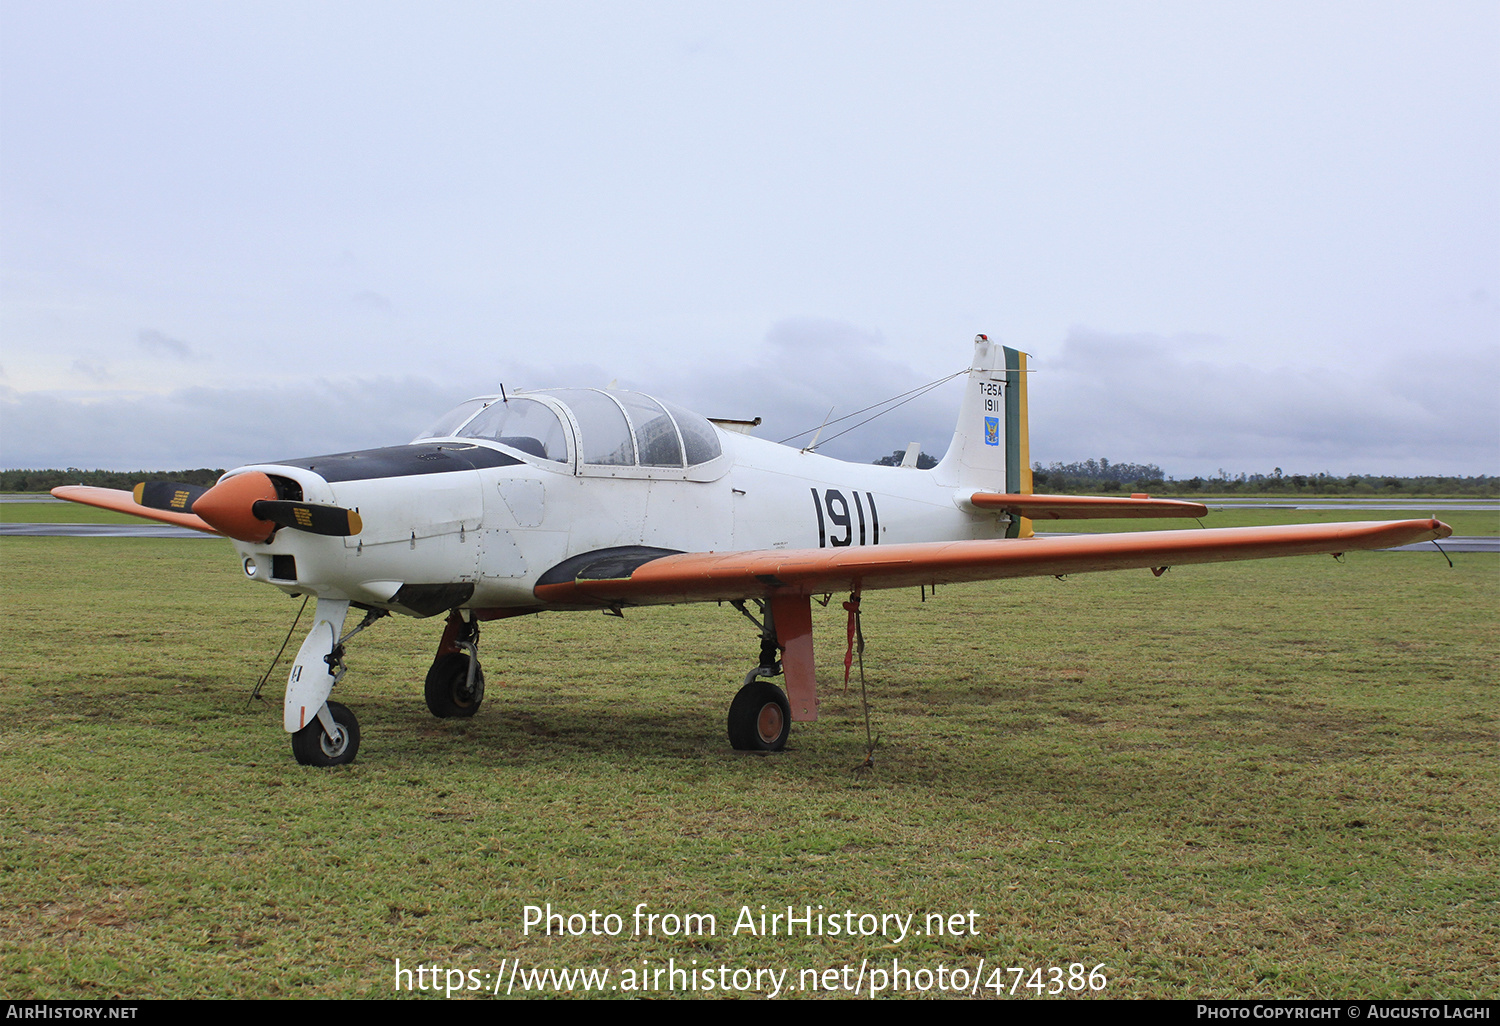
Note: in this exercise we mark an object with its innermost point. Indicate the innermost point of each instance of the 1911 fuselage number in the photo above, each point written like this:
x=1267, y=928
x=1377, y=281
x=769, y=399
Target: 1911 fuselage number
x=836, y=526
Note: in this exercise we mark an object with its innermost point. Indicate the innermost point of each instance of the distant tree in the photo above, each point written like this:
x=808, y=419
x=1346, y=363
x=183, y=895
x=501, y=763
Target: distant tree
x=1096, y=475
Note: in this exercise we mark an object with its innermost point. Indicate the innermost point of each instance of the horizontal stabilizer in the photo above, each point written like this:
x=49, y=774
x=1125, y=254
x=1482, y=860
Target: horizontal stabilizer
x=1085, y=507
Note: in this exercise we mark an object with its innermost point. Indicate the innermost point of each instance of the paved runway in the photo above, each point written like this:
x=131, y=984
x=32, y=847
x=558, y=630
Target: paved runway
x=1428, y=506
x=1458, y=543
x=102, y=531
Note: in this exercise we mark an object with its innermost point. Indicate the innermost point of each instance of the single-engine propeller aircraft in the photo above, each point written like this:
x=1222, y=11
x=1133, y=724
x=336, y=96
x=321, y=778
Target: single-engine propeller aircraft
x=582, y=498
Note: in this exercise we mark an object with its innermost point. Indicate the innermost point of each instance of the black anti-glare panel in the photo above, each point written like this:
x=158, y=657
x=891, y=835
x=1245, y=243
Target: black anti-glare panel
x=402, y=461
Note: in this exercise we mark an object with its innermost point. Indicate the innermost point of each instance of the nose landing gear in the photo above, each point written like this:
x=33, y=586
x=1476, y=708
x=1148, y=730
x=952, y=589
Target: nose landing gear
x=323, y=733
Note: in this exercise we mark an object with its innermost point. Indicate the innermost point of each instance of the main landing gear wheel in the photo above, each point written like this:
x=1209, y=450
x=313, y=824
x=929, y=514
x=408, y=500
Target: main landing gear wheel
x=448, y=691
x=313, y=747
x=760, y=718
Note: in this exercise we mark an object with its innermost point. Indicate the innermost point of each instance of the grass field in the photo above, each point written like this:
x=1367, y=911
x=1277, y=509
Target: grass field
x=1273, y=779
x=61, y=513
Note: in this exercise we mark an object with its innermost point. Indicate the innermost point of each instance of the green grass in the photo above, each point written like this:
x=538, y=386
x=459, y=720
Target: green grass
x=1274, y=779
x=61, y=513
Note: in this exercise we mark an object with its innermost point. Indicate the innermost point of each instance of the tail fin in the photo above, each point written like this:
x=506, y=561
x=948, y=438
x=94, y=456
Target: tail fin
x=990, y=445
x=991, y=448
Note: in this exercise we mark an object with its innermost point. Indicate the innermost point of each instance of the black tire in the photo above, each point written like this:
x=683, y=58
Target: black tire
x=760, y=718
x=313, y=747
x=448, y=694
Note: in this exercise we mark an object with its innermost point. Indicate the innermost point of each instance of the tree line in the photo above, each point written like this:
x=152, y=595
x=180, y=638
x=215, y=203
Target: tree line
x=1092, y=475
x=46, y=480
x=1103, y=476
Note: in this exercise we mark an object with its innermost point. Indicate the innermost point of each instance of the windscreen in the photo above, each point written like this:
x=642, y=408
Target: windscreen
x=523, y=424
x=453, y=419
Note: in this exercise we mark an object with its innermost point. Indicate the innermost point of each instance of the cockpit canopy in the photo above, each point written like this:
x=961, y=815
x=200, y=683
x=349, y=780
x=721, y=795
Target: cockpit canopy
x=613, y=428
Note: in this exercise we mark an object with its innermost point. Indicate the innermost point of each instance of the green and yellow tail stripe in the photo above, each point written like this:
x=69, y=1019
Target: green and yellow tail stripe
x=1017, y=437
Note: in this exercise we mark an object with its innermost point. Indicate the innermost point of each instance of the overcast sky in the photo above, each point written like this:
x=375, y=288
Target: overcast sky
x=1232, y=235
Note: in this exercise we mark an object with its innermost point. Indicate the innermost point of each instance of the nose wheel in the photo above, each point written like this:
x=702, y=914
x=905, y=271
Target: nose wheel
x=760, y=718
x=318, y=744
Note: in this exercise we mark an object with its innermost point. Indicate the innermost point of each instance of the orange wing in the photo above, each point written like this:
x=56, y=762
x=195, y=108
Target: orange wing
x=1086, y=507
x=709, y=576
x=124, y=502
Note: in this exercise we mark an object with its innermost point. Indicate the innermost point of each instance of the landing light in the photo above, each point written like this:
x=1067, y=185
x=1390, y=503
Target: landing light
x=249, y=566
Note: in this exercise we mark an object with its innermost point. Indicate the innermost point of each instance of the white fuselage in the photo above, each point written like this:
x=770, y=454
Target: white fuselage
x=501, y=528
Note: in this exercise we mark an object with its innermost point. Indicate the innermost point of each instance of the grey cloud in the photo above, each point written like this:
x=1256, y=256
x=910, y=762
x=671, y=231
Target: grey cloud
x=1171, y=401
x=91, y=371
x=809, y=365
x=215, y=426
x=157, y=344
x=1179, y=402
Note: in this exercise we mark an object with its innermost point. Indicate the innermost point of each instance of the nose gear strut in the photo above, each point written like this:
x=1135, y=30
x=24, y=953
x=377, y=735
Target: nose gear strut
x=323, y=733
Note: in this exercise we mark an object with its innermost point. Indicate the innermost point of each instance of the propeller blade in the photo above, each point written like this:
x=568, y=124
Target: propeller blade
x=173, y=496
x=313, y=517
